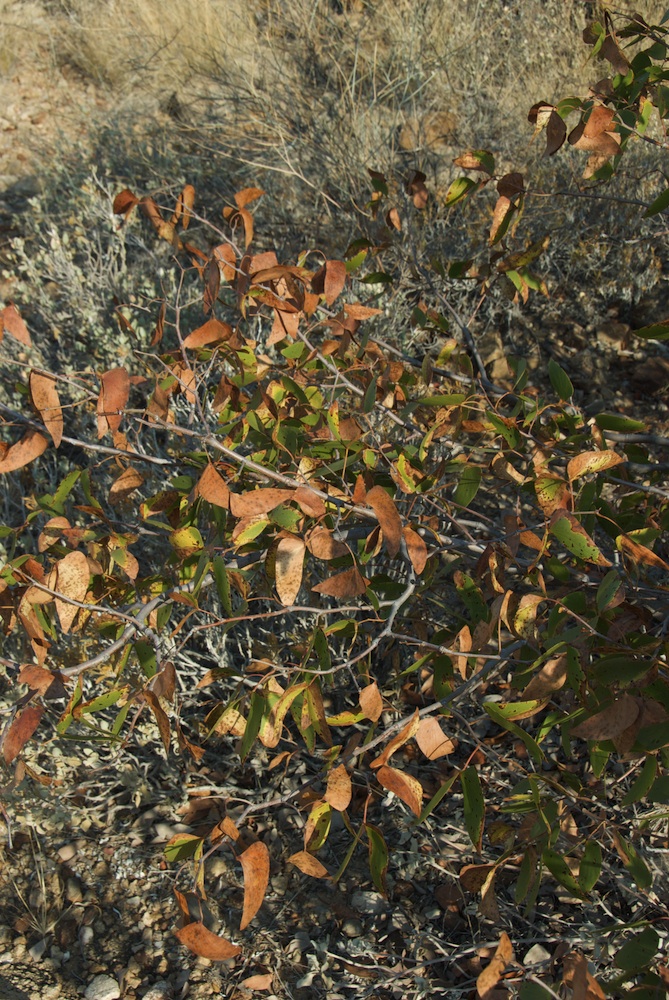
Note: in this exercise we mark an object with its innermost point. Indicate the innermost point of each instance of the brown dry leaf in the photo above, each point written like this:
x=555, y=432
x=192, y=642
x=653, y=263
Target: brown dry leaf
x=503, y=207
x=432, y=740
x=247, y=195
x=359, y=312
x=124, y=202
x=114, y=393
x=605, y=144
x=54, y=529
x=30, y=447
x=335, y=279
x=338, y=792
x=255, y=865
x=20, y=731
x=73, y=575
x=405, y=786
x=308, y=864
x=416, y=548
x=37, y=678
x=640, y=553
x=160, y=716
x=550, y=678
x=371, y=702
x=592, y=461
x=393, y=220
x=46, y=401
x=259, y=501
x=322, y=545
x=389, y=519
x=474, y=877
x=212, y=487
x=409, y=730
x=511, y=185
x=599, y=120
x=418, y=191
x=11, y=323
x=349, y=583
x=309, y=502
x=556, y=133
x=185, y=205
x=610, y=722
x=578, y=978
x=259, y=982
x=491, y=975
x=129, y=480
x=198, y=939
x=211, y=332
x=289, y=564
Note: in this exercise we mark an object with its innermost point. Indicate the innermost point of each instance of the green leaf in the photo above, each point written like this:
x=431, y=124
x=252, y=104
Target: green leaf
x=657, y=331
x=560, y=380
x=474, y=806
x=660, y=790
x=222, y=584
x=533, y=747
x=256, y=712
x=567, y=530
x=616, y=422
x=591, y=866
x=527, y=876
x=608, y=590
x=659, y=205
x=436, y=799
x=378, y=857
x=634, y=863
x=146, y=655
x=560, y=871
x=460, y=188
x=638, y=953
x=468, y=485
x=182, y=846
x=370, y=397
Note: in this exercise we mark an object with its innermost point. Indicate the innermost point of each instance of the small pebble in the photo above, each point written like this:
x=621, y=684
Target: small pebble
x=352, y=927
x=102, y=988
x=67, y=852
x=159, y=991
x=73, y=890
x=37, y=950
x=368, y=902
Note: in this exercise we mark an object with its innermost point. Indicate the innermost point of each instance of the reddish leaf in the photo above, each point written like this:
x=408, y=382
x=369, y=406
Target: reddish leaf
x=46, y=401
x=30, y=447
x=386, y=511
x=335, y=279
x=112, y=400
x=406, y=787
x=185, y=204
x=419, y=193
x=416, y=548
x=11, y=323
x=289, y=563
x=124, y=202
x=639, y=553
x=255, y=865
x=160, y=716
x=212, y=283
x=21, y=729
x=198, y=939
x=349, y=583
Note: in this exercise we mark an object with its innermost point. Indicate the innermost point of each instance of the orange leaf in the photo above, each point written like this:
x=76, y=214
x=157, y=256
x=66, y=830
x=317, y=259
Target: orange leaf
x=20, y=731
x=73, y=575
x=416, y=548
x=247, y=195
x=259, y=501
x=211, y=332
x=371, y=702
x=113, y=397
x=639, y=553
x=610, y=722
x=349, y=583
x=580, y=980
x=386, y=511
x=432, y=740
x=289, y=563
x=11, y=323
x=129, y=480
x=213, y=488
x=198, y=939
x=503, y=208
x=406, y=787
x=124, y=202
x=309, y=502
x=259, y=982
x=30, y=447
x=255, y=865
x=409, y=730
x=335, y=279
x=308, y=864
x=46, y=401
x=491, y=975
x=338, y=792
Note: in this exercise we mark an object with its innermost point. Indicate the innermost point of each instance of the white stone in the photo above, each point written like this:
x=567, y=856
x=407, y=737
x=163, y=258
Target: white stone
x=102, y=988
